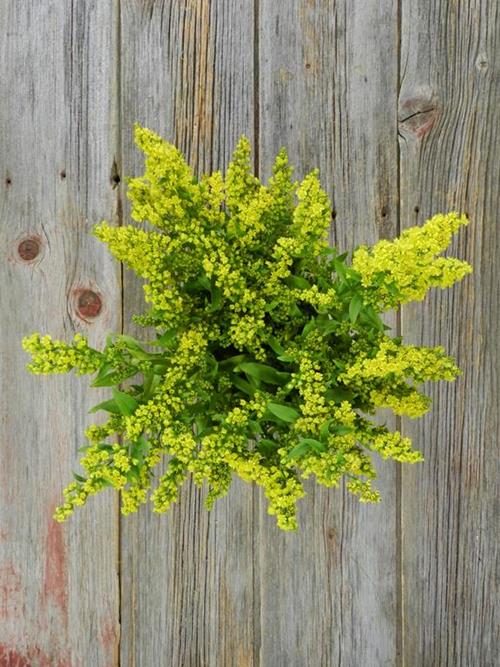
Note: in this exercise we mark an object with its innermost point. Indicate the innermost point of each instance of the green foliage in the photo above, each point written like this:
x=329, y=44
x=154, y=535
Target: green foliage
x=268, y=352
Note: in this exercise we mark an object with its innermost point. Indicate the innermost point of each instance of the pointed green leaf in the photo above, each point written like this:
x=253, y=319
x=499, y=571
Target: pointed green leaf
x=298, y=282
x=354, y=307
x=243, y=385
x=283, y=412
x=340, y=268
x=109, y=406
x=125, y=402
x=264, y=373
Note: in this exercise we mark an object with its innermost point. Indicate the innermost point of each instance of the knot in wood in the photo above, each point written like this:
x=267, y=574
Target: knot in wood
x=29, y=248
x=88, y=304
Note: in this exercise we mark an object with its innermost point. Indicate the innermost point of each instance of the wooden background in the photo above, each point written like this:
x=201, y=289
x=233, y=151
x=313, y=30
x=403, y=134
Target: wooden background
x=397, y=102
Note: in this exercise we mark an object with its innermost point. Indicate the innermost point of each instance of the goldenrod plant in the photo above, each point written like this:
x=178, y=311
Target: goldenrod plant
x=266, y=353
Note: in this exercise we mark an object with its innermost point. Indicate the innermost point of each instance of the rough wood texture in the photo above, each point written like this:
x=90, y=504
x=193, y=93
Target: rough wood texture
x=327, y=93
x=450, y=95
x=58, y=583
x=409, y=582
x=187, y=589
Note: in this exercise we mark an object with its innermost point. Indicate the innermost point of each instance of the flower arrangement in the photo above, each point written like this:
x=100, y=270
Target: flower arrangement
x=269, y=353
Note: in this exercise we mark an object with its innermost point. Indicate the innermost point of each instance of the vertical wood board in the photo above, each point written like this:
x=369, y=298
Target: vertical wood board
x=187, y=73
x=328, y=91
x=449, y=140
x=58, y=583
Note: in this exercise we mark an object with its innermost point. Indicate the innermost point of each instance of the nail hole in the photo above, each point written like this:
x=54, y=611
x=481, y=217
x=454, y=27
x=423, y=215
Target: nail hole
x=383, y=211
x=308, y=65
x=28, y=249
x=62, y=174
x=417, y=209
x=88, y=304
x=8, y=181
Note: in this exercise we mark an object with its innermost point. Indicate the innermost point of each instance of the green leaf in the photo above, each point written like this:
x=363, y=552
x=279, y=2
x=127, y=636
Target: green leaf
x=286, y=358
x=151, y=382
x=306, y=445
x=165, y=339
x=79, y=478
x=354, y=307
x=314, y=444
x=254, y=427
x=125, y=403
x=106, y=374
x=309, y=326
x=243, y=385
x=264, y=373
x=234, y=361
x=283, y=412
x=341, y=429
x=109, y=406
x=325, y=430
x=340, y=268
x=200, y=284
x=140, y=448
x=298, y=282
x=275, y=345
x=130, y=342
x=216, y=297
x=372, y=317
x=299, y=450
x=338, y=394
x=329, y=327
x=266, y=446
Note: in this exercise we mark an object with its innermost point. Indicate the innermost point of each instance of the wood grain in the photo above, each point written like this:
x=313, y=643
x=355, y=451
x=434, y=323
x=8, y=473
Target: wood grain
x=410, y=582
x=449, y=139
x=187, y=588
x=328, y=89
x=58, y=583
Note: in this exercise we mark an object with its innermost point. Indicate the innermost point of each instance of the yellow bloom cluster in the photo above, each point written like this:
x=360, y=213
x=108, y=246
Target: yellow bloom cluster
x=265, y=349
x=54, y=356
x=395, y=272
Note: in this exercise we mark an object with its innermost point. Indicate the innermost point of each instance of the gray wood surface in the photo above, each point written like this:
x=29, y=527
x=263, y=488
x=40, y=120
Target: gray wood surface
x=58, y=583
x=449, y=160
x=187, y=586
x=327, y=92
x=397, y=104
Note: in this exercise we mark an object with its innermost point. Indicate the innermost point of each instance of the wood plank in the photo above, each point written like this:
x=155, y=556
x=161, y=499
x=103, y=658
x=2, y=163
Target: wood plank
x=58, y=583
x=187, y=596
x=449, y=160
x=328, y=91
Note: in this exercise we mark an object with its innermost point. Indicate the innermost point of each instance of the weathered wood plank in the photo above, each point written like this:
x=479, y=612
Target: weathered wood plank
x=58, y=583
x=449, y=160
x=187, y=595
x=328, y=84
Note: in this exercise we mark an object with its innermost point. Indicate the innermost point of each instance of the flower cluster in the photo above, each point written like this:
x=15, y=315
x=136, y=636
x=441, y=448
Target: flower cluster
x=266, y=353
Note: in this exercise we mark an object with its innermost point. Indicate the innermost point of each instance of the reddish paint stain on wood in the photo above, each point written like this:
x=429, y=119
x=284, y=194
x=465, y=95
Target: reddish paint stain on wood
x=109, y=638
x=11, y=592
x=55, y=574
x=88, y=303
x=11, y=658
x=33, y=656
